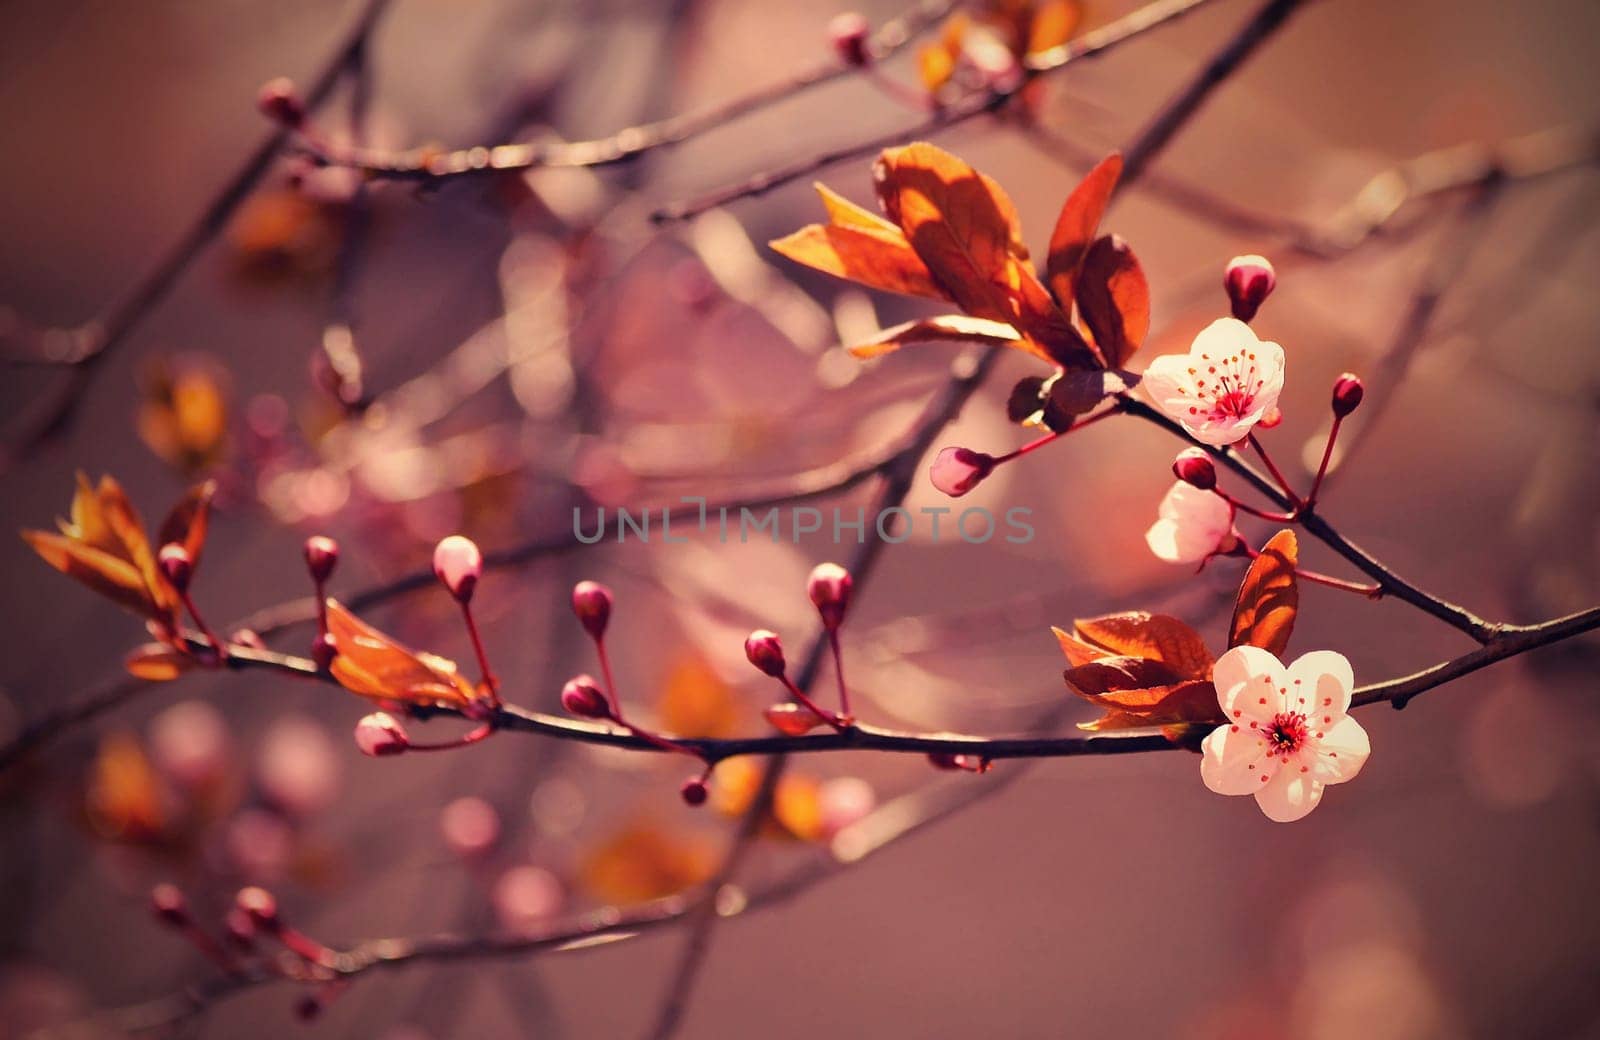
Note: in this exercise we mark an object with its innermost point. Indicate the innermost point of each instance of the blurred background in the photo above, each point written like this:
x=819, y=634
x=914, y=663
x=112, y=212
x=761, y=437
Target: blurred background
x=386, y=365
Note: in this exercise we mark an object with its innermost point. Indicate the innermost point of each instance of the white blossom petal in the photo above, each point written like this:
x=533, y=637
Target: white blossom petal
x=1248, y=681
x=1289, y=795
x=1340, y=752
x=1320, y=684
x=1233, y=760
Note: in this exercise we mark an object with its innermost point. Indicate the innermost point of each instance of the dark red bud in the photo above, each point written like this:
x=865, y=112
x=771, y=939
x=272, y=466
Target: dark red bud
x=1194, y=466
x=177, y=566
x=1249, y=280
x=1348, y=390
x=694, y=791
x=829, y=588
x=322, y=556
x=765, y=651
x=167, y=902
x=850, y=34
x=582, y=696
x=591, y=601
x=280, y=102
x=380, y=734
x=955, y=471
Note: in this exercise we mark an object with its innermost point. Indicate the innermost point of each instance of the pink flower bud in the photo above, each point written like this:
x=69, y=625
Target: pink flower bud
x=177, y=566
x=279, y=101
x=591, y=601
x=581, y=696
x=381, y=734
x=765, y=651
x=694, y=791
x=1348, y=390
x=1194, y=466
x=793, y=720
x=849, y=33
x=239, y=929
x=1249, y=280
x=458, y=565
x=324, y=650
x=958, y=470
x=259, y=905
x=167, y=902
x=322, y=556
x=829, y=588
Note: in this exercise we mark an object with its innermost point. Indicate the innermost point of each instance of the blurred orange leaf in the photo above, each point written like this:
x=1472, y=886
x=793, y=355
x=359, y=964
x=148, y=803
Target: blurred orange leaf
x=184, y=415
x=696, y=701
x=157, y=662
x=123, y=793
x=796, y=804
x=1269, y=599
x=1076, y=226
x=374, y=665
x=643, y=862
x=1114, y=299
x=1053, y=24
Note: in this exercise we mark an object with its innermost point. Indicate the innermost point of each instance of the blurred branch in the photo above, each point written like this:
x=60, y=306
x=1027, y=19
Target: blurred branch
x=81, y=350
x=433, y=167
x=984, y=102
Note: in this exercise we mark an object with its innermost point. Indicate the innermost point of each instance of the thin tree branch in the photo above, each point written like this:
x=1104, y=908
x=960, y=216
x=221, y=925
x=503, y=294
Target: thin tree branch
x=433, y=167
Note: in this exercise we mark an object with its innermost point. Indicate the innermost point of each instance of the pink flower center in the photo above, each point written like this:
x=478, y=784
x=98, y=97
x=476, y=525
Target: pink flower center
x=1286, y=733
x=1228, y=386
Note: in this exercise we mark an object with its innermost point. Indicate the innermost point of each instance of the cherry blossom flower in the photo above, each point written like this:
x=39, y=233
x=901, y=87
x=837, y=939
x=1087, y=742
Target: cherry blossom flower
x=1226, y=384
x=1191, y=525
x=1288, y=733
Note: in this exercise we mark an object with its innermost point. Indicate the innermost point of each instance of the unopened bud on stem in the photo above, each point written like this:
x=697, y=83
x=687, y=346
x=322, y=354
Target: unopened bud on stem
x=1348, y=390
x=1194, y=466
x=1249, y=280
x=177, y=566
x=458, y=565
x=582, y=696
x=829, y=588
x=591, y=601
x=380, y=734
x=765, y=651
x=850, y=34
x=280, y=102
x=322, y=556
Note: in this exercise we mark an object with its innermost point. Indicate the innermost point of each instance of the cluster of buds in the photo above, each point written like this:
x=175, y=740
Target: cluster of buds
x=254, y=914
x=583, y=696
x=829, y=588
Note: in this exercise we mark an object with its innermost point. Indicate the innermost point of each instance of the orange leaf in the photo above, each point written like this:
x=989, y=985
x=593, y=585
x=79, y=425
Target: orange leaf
x=125, y=522
x=796, y=810
x=189, y=520
x=1076, y=226
x=157, y=662
x=1264, y=613
x=373, y=665
x=696, y=701
x=967, y=232
x=116, y=579
x=1114, y=299
x=642, y=862
x=1095, y=680
x=1078, y=652
x=184, y=415
x=950, y=328
x=861, y=246
x=1054, y=22
x=1189, y=702
x=123, y=795
x=1157, y=637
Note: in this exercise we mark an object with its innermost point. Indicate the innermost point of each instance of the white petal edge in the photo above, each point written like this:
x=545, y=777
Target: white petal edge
x=1289, y=796
x=1242, y=668
x=1323, y=675
x=1342, y=751
x=1226, y=757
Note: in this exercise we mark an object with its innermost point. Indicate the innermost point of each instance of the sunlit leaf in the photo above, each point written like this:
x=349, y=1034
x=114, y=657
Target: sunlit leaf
x=1074, y=393
x=374, y=665
x=157, y=662
x=1075, y=227
x=862, y=247
x=116, y=579
x=1157, y=637
x=1194, y=701
x=190, y=520
x=1114, y=299
x=1054, y=22
x=696, y=701
x=1268, y=600
x=950, y=328
x=1095, y=679
x=966, y=230
x=643, y=862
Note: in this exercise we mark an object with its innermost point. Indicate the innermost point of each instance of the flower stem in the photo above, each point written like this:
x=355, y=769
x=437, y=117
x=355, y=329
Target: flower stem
x=838, y=670
x=489, y=679
x=1327, y=456
x=1244, y=507
x=1272, y=467
x=465, y=740
x=816, y=709
x=217, y=646
x=1050, y=438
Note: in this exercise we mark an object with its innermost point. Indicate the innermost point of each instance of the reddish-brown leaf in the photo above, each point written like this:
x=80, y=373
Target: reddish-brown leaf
x=189, y=520
x=1076, y=650
x=1188, y=702
x=1157, y=637
x=1110, y=675
x=966, y=230
x=1075, y=227
x=374, y=665
x=1114, y=299
x=859, y=245
x=1077, y=392
x=949, y=328
x=1268, y=599
x=112, y=577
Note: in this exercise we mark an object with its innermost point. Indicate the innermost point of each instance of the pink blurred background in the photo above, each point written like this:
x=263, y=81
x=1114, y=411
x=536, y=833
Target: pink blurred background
x=1446, y=893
